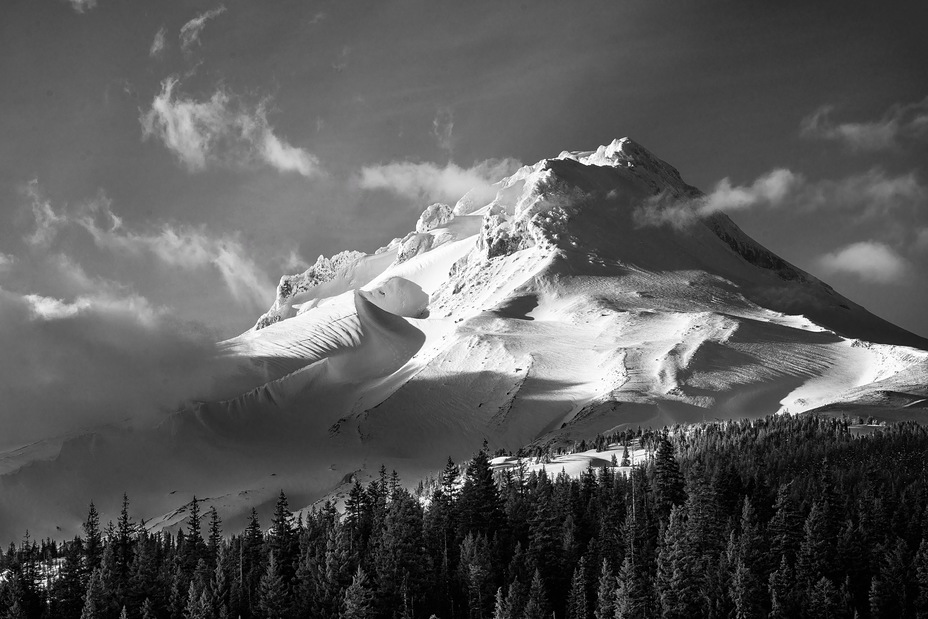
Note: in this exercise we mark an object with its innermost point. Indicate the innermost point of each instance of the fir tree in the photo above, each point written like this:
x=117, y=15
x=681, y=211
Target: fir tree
x=67, y=594
x=888, y=588
x=536, y=607
x=358, y=600
x=215, y=536
x=479, y=507
x=826, y=601
x=677, y=580
x=668, y=482
x=94, y=604
x=501, y=609
x=745, y=558
x=920, y=568
x=605, y=593
x=273, y=601
x=93, y=541
x=578, y=605
x=475, y=574
x=781, y=585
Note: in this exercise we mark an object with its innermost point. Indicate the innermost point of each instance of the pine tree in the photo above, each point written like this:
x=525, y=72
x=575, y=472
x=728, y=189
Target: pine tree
x=124, y=545
x=272, y=592
x=888, y=588
x=68, y=589
x=677, y=580
x=632, y=592
x=358, y=600
x=578, y=605
x=626, y=461
x=148, y=611
x=94, y=604
x=537, y=605
x=819, y=547
x=781, y=587
x=215, y=536
x=93, y=541
x=920, y=569
x=501, y=609
x=194, y=546
x=479, y=505
x=197, y=604
x=475, y=573
x=745, y=557
x=668, y=482
x=826, y=600
x=605, y=593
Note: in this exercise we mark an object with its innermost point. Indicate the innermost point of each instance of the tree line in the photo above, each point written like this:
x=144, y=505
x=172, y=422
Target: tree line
x=786, y=516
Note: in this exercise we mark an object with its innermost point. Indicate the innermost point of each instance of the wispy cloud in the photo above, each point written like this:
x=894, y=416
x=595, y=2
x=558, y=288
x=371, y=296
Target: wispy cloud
x=869, y=261
x=771, y=189
x=443, y=129
x=870, y=194
x=158, y=43
x=181, y=246
x=899, y=122
x=317, y=18
x=190, y=32
x=429, y=182
x=82, y=6
x=221, y=130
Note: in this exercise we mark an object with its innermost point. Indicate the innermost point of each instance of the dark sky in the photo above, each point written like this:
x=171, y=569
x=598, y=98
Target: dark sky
x=170, y=159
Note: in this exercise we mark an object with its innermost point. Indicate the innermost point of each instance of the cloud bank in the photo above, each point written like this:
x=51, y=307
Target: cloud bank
x=179, y=246
x=220, y=131
x=863, y=196
x=428, y=182
x=98, y=358
x=900, y=122
x=869, y=261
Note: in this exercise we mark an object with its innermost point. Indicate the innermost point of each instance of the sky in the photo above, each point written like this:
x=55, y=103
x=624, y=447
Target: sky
x=164, y=162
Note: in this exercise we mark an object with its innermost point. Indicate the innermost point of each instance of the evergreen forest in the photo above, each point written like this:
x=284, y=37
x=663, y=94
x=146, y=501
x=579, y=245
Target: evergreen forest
x=785, y=516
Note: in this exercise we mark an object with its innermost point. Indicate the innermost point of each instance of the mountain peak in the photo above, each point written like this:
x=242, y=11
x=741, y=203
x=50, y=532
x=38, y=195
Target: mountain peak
x=543, y=311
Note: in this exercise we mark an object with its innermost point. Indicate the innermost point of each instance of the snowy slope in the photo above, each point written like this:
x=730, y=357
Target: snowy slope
x=555, y=310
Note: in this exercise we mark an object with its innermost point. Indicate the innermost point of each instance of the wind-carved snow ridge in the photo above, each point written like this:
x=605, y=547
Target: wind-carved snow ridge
x=545, y=313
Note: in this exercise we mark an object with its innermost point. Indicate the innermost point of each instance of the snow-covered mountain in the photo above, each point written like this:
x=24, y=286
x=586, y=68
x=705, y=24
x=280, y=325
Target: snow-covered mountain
x=571, y=304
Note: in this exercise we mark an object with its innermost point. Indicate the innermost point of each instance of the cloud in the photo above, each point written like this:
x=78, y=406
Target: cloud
x=899, y=122
x=158, y=43
x=221, y=130
x=180, y=246
x=428, y=182
x=771, y=189
x=94, y=359
x=317, y=18
x=868, y=195
x=190, y=32
x=870, y=261
x=443, y=128
x=81, y=6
